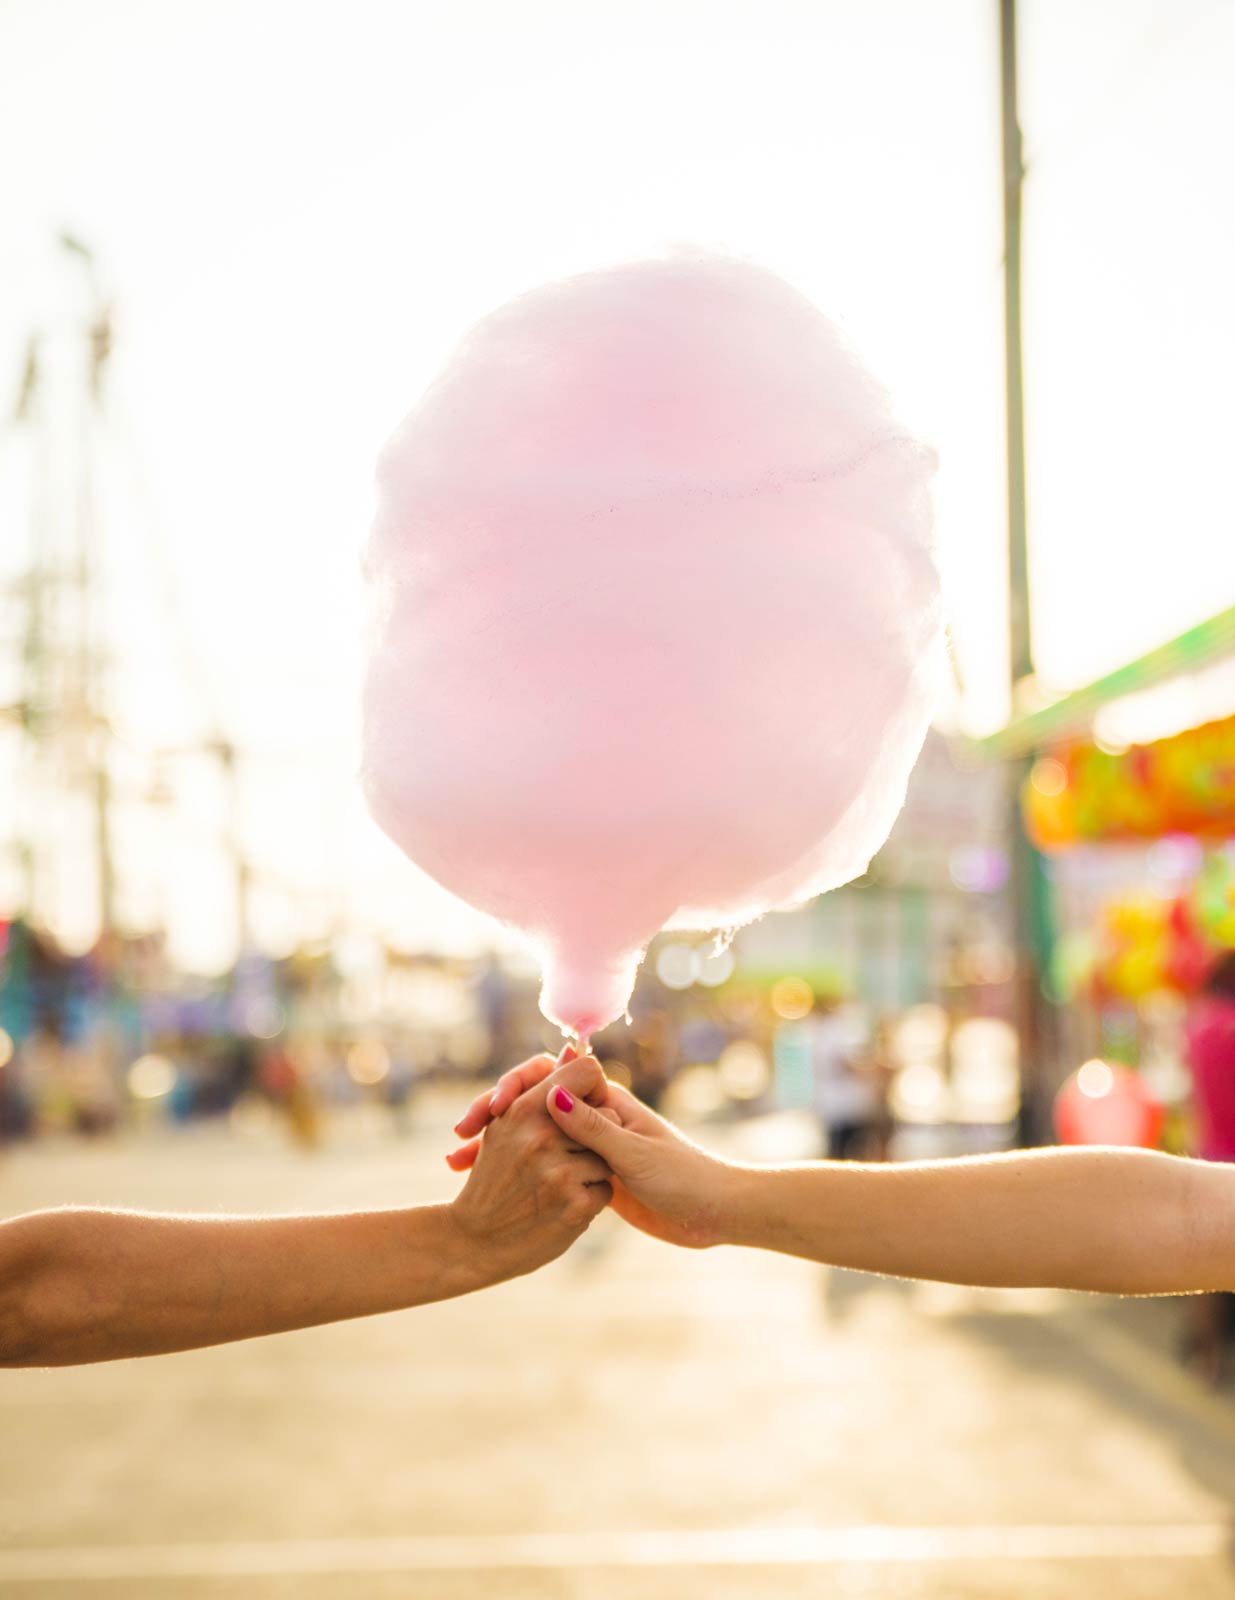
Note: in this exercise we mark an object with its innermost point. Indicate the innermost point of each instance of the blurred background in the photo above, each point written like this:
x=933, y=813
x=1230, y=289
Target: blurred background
x=236, y=241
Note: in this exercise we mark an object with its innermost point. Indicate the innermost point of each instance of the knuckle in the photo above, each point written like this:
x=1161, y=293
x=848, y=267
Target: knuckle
x=561, y=1185
x=522, y=1111
x=541, y=1136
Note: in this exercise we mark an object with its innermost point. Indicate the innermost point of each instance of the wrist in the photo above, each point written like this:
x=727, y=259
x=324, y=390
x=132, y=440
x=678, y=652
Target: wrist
x=466, y=1254
x=744, y=1205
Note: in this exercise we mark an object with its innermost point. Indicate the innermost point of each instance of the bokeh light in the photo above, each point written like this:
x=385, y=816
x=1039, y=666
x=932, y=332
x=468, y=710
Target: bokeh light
x=978, y=869
x=262, y=1017
x=697, y=1092
x=920, y=1094
x=715, y=968
x=985, y=1076
x=744, y=1070
x=151, y=1077
x=677, y=965
x=1095, y=1079
x=1049, y=777
x=368, y=1062
x=792, y=999
x=921, y=1034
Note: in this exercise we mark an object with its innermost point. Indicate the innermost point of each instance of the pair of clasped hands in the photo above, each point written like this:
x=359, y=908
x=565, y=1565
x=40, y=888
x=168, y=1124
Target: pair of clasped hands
x=559, y=1142
x=548, y=1149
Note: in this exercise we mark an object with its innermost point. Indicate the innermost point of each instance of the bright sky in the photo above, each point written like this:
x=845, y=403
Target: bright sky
x=300, y=206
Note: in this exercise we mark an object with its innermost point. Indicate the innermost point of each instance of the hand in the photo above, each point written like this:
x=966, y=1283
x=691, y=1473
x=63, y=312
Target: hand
x=532, y=1190
x=662, y=1183
x=491, y=1103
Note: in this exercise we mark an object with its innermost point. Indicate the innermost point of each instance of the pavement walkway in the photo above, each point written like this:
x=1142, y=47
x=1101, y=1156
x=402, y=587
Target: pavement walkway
x=633, y=1421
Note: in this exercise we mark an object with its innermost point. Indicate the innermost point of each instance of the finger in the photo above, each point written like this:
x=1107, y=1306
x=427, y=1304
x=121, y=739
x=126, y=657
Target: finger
x=493, y=1102
x=583, y=1078
x=584, y=1125
x=631, y=1111
x=517, y=1080
x=464, y=1157
x=609, y=1116
x=526, y=1076
x=599, y=1195
x=476, y=1118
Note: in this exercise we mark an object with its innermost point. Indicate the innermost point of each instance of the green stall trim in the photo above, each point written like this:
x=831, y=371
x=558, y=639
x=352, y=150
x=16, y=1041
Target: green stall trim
x=1192, y=651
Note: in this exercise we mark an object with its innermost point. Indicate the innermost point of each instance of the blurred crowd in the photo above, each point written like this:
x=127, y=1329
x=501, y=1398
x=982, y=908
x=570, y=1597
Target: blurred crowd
x=95, y=1042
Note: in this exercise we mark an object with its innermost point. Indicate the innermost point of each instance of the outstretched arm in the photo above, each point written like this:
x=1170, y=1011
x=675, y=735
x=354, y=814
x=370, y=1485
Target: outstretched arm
x=87, y=1285
x=82, y=1285
x=1116, y=1221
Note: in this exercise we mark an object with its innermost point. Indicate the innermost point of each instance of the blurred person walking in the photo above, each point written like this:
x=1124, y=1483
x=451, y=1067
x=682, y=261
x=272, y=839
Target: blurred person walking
x=879, y=1066
x=286, y=1086
x=846, y=1096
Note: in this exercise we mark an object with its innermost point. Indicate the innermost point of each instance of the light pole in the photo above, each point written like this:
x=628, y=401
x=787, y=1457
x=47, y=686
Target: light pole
x=1029, y=887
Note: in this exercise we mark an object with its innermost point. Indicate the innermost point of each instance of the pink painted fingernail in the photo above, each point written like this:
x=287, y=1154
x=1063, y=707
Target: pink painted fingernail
x=563, y=1101
x=569, y=1053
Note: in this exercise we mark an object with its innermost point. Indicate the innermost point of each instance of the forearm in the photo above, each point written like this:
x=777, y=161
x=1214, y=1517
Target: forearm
x=86, y=1285
x=1116, y=1221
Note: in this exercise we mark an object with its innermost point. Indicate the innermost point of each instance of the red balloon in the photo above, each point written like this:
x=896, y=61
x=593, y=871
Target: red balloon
x=1180, y=919
x=1106, y=1104
x=1188, y=963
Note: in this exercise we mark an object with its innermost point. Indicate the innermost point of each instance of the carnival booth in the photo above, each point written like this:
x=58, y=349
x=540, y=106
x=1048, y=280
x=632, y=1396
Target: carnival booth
x=1138, y=845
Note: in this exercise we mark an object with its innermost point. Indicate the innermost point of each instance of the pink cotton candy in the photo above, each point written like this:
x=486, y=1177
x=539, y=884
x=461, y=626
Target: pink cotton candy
x=657, y=625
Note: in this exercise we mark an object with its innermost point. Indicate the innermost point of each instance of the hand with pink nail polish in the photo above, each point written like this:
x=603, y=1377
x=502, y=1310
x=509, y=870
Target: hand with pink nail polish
x=586, y=1080
x=662, y=1183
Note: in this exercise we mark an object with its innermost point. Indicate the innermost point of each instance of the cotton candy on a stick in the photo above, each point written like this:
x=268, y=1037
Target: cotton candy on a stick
x=656, y=621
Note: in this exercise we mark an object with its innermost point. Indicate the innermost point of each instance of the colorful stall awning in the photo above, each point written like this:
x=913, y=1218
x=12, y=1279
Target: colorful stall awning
x=1080, y=794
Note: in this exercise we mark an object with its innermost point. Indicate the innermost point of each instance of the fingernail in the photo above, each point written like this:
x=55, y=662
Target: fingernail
x=563, y=1101
x=569, y=1053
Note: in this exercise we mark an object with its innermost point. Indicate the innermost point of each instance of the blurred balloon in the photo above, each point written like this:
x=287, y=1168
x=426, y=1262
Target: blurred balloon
x=1133, y=944
x=1135, y=919
x=1102, y=1103
x=1214, y=898
x=1189, y=955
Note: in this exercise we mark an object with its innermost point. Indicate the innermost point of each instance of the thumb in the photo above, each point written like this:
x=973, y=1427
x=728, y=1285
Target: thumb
x=592, y=1129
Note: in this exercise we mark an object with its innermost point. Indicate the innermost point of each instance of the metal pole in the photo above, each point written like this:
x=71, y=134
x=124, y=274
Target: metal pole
x=91, y=708
x=1030, y=906
x=34, y=690
x=1021, y=646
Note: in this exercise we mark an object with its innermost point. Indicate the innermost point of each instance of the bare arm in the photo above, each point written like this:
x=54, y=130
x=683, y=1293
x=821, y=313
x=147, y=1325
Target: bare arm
x=92, y=1285
x=88, y=1285
x=1116, y=1221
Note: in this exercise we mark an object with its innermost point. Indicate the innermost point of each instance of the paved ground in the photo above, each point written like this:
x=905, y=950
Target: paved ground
x=633, y=1422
